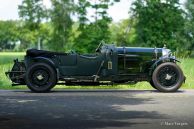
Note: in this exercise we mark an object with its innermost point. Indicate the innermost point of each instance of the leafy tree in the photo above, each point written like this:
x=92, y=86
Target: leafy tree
x=159, y=22
x=8, y=34
x=123, y=33
x=190, y=24
x=90, y=37
x=81, y=10
x=61, y=21
x=30, y=38
x=93, y=32
x=32, y=12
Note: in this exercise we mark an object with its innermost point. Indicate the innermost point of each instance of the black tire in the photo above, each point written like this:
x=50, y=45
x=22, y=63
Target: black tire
x=168, y=77
x=40, y=78
x=152, y=84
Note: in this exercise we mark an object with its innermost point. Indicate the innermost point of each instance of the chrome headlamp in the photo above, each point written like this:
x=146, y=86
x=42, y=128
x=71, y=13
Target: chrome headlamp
x=166, y=52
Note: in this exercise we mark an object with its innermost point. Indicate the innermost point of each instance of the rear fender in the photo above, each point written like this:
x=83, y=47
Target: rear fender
x=160, y=61
x=47, y=61
x=44, y=60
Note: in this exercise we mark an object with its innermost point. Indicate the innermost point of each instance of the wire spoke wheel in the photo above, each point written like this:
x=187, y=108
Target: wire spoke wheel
x=41, y=77
x=167, y=77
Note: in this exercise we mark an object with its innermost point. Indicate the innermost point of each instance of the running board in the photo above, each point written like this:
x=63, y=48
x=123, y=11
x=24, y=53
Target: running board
x=86, y=83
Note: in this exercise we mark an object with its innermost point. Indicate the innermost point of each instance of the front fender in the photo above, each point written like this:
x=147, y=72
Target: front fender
x=160, y=61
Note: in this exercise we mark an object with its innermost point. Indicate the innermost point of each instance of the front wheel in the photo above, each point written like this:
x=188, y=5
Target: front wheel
x=152, y=84
x=168, y=77
x=41, y=77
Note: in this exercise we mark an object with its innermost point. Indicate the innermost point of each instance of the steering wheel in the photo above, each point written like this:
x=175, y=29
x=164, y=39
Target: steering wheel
x=98, y=48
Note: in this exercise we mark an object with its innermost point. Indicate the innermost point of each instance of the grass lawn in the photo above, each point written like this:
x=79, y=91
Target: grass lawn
x=6, y=62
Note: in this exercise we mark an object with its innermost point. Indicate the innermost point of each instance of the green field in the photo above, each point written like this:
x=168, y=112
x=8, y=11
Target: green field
x=6, y=62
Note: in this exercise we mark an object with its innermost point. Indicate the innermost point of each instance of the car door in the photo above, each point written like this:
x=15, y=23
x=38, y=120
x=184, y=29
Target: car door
x=68, y=64
x=88, y=65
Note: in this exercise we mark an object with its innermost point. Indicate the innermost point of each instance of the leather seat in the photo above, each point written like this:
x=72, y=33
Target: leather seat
x=35, y=53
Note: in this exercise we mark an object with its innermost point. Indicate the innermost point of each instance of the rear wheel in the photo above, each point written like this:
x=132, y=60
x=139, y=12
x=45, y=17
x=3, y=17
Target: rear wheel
x=41, y=77
x=168, y=77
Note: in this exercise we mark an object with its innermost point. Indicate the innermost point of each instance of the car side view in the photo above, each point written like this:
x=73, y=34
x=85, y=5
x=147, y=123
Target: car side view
x=42, y=70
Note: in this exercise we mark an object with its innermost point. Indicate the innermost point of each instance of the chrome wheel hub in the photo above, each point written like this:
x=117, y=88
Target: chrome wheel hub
x=40, y=77
x=168, y=77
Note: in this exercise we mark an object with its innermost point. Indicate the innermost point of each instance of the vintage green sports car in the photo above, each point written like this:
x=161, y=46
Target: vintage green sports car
x=42, y=70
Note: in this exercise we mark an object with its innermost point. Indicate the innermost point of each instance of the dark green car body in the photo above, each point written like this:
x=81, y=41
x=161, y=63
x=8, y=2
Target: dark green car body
x=109, y=64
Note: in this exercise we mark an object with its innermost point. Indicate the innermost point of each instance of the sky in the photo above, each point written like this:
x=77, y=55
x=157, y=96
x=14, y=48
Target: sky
x=9, y=9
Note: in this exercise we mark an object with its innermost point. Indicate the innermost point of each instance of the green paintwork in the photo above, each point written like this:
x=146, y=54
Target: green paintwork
x=109, y=63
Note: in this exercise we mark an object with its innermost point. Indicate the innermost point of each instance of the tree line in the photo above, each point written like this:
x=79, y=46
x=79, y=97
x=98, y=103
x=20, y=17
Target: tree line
x=151, y=23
